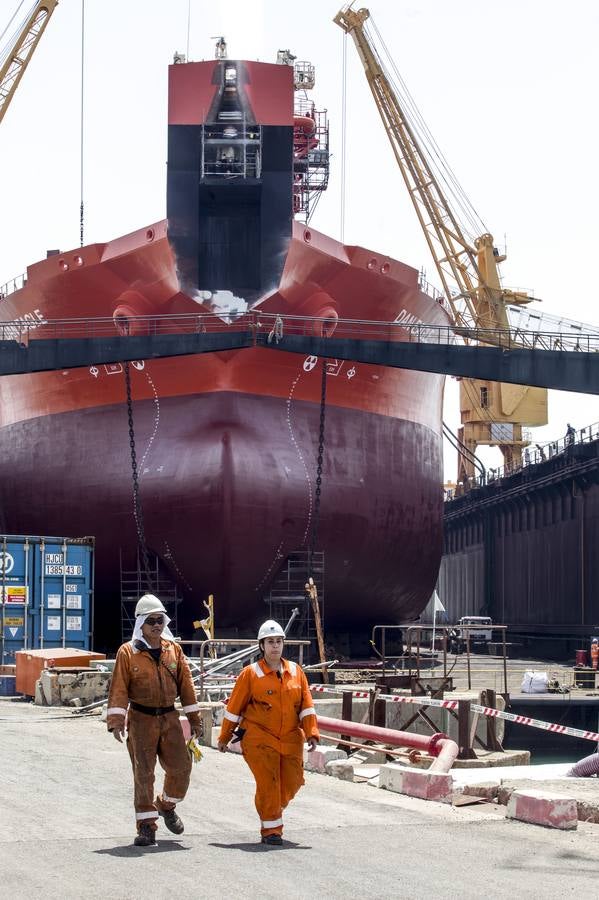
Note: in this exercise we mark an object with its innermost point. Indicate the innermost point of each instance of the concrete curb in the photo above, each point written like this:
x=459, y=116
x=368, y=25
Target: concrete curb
x=414, y=783
x=543, y=808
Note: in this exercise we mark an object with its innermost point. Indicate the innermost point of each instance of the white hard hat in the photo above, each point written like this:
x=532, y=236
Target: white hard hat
x=148, y=604
x=270, y=628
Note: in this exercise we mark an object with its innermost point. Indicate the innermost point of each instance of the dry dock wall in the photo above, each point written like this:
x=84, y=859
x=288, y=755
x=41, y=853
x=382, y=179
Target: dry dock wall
x=523, y=549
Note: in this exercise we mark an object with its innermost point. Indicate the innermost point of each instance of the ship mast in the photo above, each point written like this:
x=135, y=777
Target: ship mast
x=13, y=68
x=468, y=270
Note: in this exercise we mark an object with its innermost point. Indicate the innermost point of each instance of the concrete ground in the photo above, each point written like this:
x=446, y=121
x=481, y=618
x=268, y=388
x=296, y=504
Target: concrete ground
x=67, y=830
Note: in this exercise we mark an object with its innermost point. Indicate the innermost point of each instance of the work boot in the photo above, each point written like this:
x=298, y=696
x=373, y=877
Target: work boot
x=172, y=820
x=146, y=837
x=273, y=839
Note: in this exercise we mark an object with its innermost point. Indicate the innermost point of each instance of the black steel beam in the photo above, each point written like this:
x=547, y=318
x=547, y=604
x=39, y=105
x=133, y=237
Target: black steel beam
x=559, y=369
x=71, y=353
x=562, y=370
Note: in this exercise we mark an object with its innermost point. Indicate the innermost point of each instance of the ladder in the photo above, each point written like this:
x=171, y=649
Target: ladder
x=288, y=591
x=134, y=584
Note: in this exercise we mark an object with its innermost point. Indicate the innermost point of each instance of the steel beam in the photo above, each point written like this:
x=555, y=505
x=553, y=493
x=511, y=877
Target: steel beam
x=563, y=370
x=71, y=353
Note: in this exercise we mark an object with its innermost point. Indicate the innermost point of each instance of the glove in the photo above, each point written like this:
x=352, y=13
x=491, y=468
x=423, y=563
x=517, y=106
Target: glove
x=194, y=750
x=197, y=731
x=312, y=743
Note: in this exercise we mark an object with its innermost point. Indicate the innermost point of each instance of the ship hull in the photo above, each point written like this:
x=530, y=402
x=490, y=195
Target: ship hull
x=227, y=442
x=223, y=507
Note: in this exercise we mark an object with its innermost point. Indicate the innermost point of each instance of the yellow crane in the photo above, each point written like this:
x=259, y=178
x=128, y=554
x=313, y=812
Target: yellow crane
x=492, y=413
x=18, y=57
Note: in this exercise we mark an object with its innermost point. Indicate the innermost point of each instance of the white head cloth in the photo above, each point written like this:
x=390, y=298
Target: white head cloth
x=139, y=620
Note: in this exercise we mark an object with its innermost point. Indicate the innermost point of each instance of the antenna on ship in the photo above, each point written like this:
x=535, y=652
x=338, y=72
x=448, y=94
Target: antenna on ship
x=220, y=51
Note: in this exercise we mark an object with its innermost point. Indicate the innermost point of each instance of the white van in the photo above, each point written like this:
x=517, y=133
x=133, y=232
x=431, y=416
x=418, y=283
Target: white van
x=481, y=633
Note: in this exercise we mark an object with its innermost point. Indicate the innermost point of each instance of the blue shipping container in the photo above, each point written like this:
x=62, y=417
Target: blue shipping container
x=46, y=593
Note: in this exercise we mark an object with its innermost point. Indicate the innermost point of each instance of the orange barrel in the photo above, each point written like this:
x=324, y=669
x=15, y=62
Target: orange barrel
x=581, y=658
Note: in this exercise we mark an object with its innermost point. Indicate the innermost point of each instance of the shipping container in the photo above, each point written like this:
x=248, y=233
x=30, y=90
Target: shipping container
x=46, y=593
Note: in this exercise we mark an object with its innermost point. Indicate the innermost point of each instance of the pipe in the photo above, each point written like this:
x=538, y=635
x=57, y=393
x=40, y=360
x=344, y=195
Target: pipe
x=438, y=745
x=447, y=756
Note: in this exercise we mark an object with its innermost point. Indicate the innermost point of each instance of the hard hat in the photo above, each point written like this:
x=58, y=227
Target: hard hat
x=149, y=604
x=270, y=628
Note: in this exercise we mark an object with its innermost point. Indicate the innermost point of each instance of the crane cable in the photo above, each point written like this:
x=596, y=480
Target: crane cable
x=81, y=149
x=429, y=147
x=10, y=43
x=343, y=135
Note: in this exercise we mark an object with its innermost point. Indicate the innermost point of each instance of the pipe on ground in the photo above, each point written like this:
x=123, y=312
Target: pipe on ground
x=438, y=745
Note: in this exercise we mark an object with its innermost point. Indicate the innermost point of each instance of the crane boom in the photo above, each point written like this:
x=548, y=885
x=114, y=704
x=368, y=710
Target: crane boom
x=468, y=273
x=491, y=413
x=18, y=58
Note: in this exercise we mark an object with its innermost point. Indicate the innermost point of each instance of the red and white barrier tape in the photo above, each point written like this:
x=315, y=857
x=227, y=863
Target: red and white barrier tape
x=482, y=710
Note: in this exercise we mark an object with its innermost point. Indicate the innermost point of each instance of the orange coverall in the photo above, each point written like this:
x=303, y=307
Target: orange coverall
x=154, y=685
x=276, y=711
x=594, y=655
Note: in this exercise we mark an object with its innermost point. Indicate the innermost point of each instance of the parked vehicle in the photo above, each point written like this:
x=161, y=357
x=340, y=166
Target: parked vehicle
x=477, y=629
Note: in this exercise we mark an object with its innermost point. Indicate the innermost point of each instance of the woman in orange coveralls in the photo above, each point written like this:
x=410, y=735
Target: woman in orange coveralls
x=271, y=705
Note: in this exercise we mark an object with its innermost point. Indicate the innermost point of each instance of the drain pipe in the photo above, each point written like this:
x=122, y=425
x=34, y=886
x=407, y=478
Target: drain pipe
x=437, y=745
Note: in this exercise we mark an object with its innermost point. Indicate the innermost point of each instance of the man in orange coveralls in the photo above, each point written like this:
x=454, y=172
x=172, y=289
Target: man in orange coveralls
x=149, y=674
x=271, y=706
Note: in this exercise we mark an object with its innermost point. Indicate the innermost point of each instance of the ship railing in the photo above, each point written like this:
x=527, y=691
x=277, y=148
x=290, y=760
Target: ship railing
x=404, y=328
x=531, y=456
x=12, y=285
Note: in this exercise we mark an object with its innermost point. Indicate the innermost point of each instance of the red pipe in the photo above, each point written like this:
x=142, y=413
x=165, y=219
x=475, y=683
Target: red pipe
x=438, y=745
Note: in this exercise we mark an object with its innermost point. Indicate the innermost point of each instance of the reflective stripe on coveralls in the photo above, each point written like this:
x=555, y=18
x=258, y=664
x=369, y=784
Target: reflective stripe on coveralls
x=276, y=712
x=137, y=677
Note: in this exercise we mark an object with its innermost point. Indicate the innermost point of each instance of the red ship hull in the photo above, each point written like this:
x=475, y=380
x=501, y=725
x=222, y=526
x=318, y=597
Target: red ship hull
x=227, y=442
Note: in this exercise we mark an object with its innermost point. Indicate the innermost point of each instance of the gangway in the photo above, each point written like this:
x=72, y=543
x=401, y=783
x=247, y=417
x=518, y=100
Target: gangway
x=531, y=357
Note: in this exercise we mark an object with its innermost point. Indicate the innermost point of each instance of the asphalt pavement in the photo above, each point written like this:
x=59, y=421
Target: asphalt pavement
x=68, y=826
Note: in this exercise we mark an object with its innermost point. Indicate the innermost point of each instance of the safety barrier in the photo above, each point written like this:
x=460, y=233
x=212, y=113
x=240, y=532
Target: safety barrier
x=482, y=710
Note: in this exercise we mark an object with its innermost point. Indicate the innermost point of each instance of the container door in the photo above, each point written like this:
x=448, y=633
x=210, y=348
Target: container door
x=15, y=584
x=62, y=578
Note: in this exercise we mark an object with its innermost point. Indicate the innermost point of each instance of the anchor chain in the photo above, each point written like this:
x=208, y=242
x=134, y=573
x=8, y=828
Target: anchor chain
x=137, y=508
x=319, y=461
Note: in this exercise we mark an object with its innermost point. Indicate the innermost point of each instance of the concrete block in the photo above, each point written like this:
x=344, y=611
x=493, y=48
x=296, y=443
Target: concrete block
x=369, y=757
x=340, y=768
x=208, y=717
x=233, y=748
x=316, y=760
x=487, y=789
x=543, y=808
x=414, y=783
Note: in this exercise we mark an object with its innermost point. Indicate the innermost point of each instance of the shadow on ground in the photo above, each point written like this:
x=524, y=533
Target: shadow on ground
x=253, y=847
x=132, y=850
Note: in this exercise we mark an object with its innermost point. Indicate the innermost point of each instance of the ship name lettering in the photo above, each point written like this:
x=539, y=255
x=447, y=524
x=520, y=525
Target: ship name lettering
x=406, y=318
x=30, y=319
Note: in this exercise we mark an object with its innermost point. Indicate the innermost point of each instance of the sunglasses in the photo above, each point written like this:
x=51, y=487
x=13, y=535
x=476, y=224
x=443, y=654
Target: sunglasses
x=154, y=620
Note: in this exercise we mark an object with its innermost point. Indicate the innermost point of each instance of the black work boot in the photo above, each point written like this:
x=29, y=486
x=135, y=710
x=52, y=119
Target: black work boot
x=146, y=837
x=274, y=839
x=172, y=820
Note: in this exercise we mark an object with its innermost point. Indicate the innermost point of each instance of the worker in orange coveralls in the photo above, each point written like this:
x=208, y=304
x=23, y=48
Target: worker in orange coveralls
x=595, y=653
x=271, y=707
x=150, y=672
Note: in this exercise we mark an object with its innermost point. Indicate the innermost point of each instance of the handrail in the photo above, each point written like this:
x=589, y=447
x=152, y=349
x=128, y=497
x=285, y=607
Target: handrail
x=246, y=642
x=257, y=322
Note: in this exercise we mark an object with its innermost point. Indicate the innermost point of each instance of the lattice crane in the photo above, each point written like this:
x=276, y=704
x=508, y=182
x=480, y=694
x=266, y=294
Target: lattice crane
x=468, y=271
x=13, y=67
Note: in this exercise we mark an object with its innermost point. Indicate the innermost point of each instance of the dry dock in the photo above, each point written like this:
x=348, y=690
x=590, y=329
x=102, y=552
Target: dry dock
x=68, y=828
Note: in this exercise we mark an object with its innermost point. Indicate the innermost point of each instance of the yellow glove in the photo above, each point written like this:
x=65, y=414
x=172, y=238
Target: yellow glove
x=194, y=750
